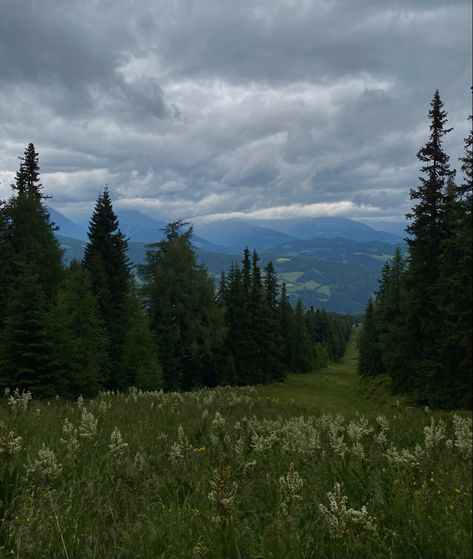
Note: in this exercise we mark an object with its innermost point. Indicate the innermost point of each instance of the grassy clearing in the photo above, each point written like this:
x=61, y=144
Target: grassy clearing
x=337, y=389
x=243, y=472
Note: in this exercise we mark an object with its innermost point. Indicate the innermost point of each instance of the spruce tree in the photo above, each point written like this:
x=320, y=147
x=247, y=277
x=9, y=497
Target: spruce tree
x=370, y=359
x=276, y=369
x=105, y=258
x=287, y=331
x=78, y=336
x=139, y=364
x=303, y=348
x=183, y=311
x=25, y=351
x=425, y=246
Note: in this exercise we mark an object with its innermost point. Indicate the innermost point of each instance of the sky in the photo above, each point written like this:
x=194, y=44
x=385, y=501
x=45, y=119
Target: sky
x=205, y=109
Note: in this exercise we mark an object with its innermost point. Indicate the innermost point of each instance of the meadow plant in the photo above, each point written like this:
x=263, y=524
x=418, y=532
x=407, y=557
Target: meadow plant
x=117, y=446
x=231, y=473
x=45, y=468
x=290, y=486
x=18, y=400
x=88, y=425
x=69, y=438
x=340, y=518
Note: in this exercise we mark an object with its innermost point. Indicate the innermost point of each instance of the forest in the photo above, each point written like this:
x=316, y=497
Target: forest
x=102, y=324
x=418, y=327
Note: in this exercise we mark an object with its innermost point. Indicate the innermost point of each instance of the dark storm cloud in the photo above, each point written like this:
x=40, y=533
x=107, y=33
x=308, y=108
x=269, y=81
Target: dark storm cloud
x=190, y=108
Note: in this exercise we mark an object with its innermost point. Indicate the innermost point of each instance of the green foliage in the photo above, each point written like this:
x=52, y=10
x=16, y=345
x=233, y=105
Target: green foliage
x=25, y=360
x=107, y=263
x=183, y=312
x=419, y=328
x=139, y=365
x=78, y=336
x=232, y=472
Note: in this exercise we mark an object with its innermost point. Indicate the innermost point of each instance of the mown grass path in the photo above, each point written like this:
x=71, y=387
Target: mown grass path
x=336, y=389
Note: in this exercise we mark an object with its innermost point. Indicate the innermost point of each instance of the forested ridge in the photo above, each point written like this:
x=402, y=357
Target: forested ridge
x=418, y=327
x=100, y=324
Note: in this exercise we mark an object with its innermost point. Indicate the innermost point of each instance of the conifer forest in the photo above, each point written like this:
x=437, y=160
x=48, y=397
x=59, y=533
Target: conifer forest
x=156, y=410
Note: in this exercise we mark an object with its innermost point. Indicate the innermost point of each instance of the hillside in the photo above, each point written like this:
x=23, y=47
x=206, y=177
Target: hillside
x=335, y=274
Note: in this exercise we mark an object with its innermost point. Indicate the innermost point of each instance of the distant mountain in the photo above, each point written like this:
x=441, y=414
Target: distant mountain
x=139, y=227
x=335, y=274
x=136, y=226
x=67, y=227
x=328, y=227
x=236, y=234
x=368, y=254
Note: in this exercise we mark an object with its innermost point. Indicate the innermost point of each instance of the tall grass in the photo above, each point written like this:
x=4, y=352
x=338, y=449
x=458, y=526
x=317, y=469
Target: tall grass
x=229, y=472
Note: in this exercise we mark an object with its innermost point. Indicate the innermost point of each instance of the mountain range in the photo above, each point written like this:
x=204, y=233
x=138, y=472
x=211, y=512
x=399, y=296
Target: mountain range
x=329, y=262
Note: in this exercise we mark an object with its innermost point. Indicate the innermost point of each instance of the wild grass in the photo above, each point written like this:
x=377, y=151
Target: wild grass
x=234, y=472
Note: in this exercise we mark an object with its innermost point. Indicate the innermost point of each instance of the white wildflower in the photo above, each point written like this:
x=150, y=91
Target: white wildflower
x=70, y=440
x=404, y=457
x=117, y=446
x=340, y=518
x=181, y=447
x=434, y=433
x=218, y=422
x=88, y=425
x=10, y=442
x=45, y=467
x=463, y=435
x=19, y=400
x=289, y=487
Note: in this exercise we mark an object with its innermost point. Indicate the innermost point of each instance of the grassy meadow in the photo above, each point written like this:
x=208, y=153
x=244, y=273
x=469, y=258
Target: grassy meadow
x=308, y=468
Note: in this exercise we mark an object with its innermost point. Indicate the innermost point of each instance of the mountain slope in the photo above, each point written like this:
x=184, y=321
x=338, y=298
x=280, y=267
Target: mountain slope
x=236, y=234
x=336, y=274
x=329, y=227
x=67, y=227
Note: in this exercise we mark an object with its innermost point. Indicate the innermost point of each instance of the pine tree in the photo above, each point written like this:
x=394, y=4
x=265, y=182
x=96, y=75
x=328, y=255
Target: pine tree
x=27, y=177
x=28, y=234
x=139, y=364
x=183, y=311
x=30, y=273
x=276, y=369
x=303, y=349
x=370, y=359
x=287, y=330
x=78, y=336
x=425, y=245
x=25, y=352
x=106, y=260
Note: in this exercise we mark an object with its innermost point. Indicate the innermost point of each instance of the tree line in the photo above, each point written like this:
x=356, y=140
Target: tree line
x=103, y=324
x=418, y=327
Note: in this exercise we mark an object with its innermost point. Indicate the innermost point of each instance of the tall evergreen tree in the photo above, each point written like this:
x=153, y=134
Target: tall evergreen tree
x=183, y=311
x=303, y=348
x=287, y=330
x=25, y=352
x=425, y=245
x=276, y=370
x=105, y=258
x=139, y=364
x=78, y=337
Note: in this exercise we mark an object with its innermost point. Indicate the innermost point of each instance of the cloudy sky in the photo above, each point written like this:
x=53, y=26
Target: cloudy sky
x=263, y=108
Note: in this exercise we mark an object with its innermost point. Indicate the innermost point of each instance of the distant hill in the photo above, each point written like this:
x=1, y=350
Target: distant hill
x=67, y=227
x=236, y=234
x=328, y=227
x=335, y=274
x=368, y=254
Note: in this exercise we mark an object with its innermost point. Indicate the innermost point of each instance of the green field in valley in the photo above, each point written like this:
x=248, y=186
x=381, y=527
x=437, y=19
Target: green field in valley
x=336, y=389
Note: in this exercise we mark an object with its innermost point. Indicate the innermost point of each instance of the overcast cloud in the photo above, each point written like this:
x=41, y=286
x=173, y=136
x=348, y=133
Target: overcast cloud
x=265, y=108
